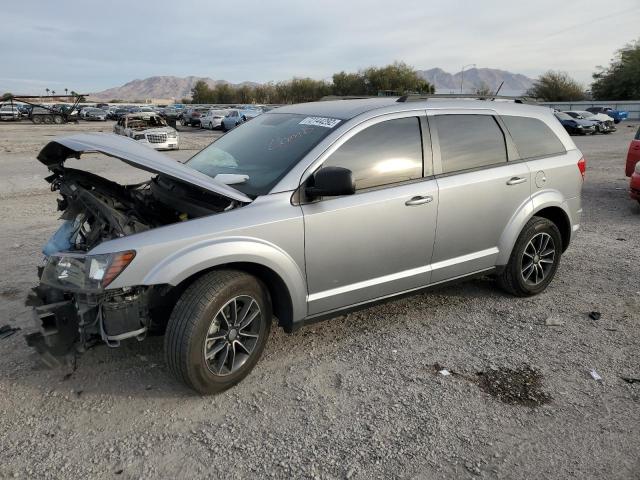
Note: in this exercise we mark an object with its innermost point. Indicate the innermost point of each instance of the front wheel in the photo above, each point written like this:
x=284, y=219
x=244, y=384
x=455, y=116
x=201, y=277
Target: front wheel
x=218, y=330
x=534, y=259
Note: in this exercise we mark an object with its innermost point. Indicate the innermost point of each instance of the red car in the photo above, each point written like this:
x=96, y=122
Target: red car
x=633, y=156
x=632, y=168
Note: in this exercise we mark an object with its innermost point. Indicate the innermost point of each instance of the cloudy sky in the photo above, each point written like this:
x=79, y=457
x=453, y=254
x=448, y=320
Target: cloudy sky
x=91, y=45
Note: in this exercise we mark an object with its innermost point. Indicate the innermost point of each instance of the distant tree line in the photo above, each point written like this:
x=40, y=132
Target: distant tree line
x=398, y=78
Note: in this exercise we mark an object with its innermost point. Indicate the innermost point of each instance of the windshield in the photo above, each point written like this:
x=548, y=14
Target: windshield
x=140, y=123
x=586, y=114
x=260, y=152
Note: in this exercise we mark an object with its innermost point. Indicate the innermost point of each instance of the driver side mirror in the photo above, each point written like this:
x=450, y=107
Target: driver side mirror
x=330, y=182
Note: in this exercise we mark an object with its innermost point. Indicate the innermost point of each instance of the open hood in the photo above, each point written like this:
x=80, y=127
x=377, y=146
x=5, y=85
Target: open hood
x=135, y=154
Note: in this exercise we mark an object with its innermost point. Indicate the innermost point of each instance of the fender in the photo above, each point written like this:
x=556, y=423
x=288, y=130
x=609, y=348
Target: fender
x=211, y=253
x=539, y=200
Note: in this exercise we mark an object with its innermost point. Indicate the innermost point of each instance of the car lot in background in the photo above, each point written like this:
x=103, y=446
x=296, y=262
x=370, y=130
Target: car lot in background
x=191, y=116
x=576, y=126
x=213, y=119
x=617, y=115
x=92, y=113
x=604, y=123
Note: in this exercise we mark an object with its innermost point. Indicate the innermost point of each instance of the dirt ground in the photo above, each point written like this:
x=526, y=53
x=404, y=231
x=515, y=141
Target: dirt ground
x=359, y=396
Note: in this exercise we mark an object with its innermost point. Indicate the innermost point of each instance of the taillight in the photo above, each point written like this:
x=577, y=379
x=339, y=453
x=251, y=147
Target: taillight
x=582, y=166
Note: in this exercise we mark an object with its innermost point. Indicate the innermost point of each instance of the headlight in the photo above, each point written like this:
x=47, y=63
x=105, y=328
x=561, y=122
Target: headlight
x=172, y=134
x=138, y=136
x=85, y=272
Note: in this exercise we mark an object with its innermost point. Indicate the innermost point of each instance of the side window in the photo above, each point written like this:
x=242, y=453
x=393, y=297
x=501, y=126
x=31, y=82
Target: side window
x=387, y=152
x=469, y=141
x=533, y=138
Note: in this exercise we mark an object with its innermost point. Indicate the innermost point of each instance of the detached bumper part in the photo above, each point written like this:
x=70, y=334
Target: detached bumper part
x=58, y=323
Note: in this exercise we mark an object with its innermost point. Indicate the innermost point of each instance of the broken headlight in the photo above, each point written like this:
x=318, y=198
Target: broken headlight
x=85, y=272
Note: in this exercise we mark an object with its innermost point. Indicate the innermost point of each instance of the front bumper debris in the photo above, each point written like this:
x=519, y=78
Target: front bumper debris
x=70, y=323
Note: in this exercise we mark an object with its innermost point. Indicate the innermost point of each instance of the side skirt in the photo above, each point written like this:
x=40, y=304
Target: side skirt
x=376, y=301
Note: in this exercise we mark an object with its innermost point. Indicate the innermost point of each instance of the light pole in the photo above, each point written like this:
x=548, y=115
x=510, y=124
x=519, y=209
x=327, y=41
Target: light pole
x=462, y=74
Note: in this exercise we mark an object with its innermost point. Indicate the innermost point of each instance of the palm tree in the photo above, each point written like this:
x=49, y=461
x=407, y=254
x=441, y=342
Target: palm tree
x=46, y=90
x=53, y=92
x=66, y=91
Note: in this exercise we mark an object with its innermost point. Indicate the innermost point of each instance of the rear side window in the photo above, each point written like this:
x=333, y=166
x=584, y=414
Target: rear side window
x=637, y=137
x=469, y=141
x=533, y=138
x=387, y=152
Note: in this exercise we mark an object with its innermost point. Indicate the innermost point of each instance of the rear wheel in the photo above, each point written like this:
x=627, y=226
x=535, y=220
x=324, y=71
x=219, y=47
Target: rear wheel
x=218, y=330
x=37, y=119
x=48, y=119
x=57, y=119
x=534, y=259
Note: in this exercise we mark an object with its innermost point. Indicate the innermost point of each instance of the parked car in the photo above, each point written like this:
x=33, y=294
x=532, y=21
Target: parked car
x=248, y=112
x=301, y=214
x=634, y=184
x=603, y=123
x=9, y=112
x=148, y=128
x=212, y=119
x=192, y=116
x=231, y=120
x=104, y=106
x=119, y=113
x=633, y=155
x=617, y=115
x=96, y=114
x=576, y=126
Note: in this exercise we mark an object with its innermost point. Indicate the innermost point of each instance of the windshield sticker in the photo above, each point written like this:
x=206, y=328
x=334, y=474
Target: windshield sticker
x=320, y=122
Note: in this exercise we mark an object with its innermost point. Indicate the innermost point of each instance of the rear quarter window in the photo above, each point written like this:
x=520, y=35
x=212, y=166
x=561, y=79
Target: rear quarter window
x=533, y=138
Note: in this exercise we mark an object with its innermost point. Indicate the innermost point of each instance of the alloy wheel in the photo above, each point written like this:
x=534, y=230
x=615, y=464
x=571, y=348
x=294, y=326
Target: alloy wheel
x=232, y=335
x=538, y=258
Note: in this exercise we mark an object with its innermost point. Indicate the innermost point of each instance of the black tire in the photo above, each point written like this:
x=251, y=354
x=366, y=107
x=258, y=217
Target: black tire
x=512, y=278
x=57, y=119
x=192, y=319
x=48, y=119
x=37, y=119
x=223, y=127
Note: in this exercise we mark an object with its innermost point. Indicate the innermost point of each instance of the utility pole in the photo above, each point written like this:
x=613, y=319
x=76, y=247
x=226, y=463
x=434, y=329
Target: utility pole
x=462, y=74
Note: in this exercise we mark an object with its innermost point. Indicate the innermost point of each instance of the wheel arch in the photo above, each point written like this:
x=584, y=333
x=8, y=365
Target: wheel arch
x=549, y=205
x=279, y=272
x=281, y=300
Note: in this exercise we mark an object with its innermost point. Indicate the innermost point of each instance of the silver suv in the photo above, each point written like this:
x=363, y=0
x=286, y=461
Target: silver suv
x=299, y=215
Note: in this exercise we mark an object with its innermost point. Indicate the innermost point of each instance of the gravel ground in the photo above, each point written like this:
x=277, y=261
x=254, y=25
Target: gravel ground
x=357, y=396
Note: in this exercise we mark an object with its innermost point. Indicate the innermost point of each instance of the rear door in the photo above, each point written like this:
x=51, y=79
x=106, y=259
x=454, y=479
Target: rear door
x=378, y=241
x=479, y=190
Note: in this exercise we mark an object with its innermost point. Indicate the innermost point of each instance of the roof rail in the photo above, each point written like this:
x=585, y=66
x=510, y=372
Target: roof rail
x=417, y=98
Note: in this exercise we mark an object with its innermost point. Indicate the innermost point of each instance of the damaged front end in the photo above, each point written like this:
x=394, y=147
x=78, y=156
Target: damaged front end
x=74, y=304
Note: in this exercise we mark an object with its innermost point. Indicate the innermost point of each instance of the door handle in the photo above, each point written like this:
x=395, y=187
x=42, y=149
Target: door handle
x=516, y=181
x=418, y=201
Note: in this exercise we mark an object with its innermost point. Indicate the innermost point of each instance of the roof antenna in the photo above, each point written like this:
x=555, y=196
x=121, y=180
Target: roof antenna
x=497, y=91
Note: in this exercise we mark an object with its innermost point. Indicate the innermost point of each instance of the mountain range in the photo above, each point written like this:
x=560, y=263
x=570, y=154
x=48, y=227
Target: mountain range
x=165, y=87
x=171, y=87
x=514, y=83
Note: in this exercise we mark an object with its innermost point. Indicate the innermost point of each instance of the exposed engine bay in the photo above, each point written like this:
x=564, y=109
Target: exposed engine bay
x=99, y=209
x=72, y=304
